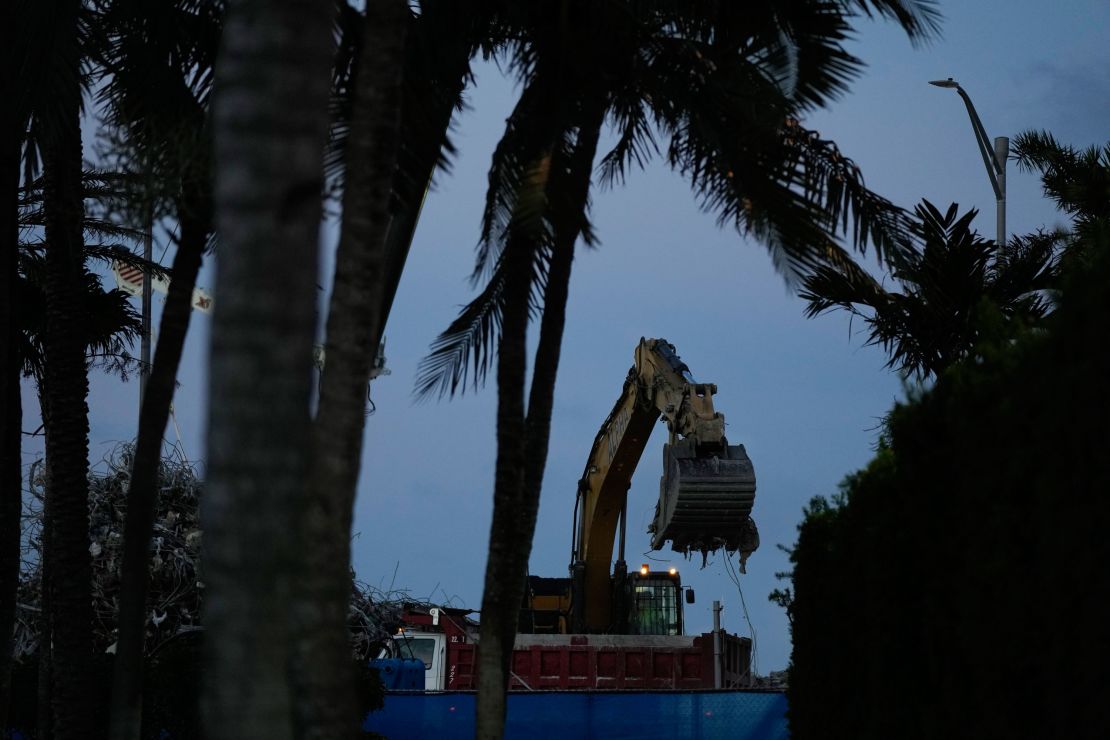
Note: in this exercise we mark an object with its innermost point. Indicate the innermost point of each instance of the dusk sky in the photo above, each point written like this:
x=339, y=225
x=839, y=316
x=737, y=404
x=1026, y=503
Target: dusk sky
x=804, y=396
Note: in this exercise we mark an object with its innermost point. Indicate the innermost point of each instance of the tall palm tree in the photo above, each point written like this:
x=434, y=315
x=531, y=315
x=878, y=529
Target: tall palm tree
x=353, y=335
x=157, y=61
x=56, y=127
x=11, y=420
x=270, y=120
x=47, y=111
x=954, y=289
x=726, y=86
x=11, y=410
x=14, y=117
x=523, y=431
x=398, y=80
x=108, y=325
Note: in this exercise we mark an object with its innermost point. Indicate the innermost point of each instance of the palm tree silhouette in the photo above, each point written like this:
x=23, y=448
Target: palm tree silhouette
x=951, y=286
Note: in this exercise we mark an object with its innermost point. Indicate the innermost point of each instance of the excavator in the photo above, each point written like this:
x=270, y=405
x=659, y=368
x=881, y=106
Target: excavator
x=706, y=494
x=602, y=629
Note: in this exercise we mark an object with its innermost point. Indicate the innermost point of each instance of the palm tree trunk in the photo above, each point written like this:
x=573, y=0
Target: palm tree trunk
x=501, y=594
x=568, y=216
x=11, y=496
x=525, y=439
x=69, y=572
x=11, y=417
x=428, y=104
x=11, y=408
x=44, y=717
x=270, y=122
x=142, y=498
x=326, y=699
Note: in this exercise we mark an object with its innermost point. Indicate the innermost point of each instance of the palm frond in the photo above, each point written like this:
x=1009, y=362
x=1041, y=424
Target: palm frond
x=518, y=175
x=466, y=349
x=463, y=354
x=723, y=84
x=112, y=322
x=951, y=283
x=106, y=240
x=920, y=19
x=156, y=64
x=440, y=42
x=1029, y=260
x=785, y=185
x=636, y=144
x=845, y=285
x=101, y=189
x=810, y=37
x=1078, y=180
x=833, y=181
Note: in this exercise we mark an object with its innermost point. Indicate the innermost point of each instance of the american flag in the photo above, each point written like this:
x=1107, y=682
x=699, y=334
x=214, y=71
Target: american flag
x=130, y=280
x=129, y=273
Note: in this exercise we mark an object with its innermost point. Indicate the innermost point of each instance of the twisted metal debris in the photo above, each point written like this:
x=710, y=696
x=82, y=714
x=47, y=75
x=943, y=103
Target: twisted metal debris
x=176, y=586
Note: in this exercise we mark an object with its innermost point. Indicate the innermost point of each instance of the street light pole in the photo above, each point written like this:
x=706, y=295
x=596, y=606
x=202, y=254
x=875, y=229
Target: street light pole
x=993, y=158
x=1001, y=154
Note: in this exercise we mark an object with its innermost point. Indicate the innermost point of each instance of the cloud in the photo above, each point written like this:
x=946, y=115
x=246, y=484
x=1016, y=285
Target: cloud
x=1072, y=100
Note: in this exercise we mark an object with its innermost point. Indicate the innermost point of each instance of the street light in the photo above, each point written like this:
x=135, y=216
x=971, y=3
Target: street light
x=995, y=160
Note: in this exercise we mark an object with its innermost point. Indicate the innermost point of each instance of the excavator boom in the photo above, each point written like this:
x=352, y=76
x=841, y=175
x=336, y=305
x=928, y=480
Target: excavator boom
x=706, y=492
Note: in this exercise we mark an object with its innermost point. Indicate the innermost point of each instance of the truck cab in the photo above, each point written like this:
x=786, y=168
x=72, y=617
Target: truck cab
x=416, y=657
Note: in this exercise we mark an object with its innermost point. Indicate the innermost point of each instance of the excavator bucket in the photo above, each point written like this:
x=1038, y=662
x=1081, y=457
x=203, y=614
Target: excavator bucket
x=705, y=501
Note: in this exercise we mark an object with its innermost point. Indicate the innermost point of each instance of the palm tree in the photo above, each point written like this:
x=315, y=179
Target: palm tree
x=398, y=80
x=953, y=284
x=11, y=420
x=955, y=287
x=726, y=86
x=109, y=323
x=46, y=120
x=11, y=410
x=270, y=119
x=353, y=335
x=55, y=127
x=157, y=60
x=1079, y=182
x=14, y=125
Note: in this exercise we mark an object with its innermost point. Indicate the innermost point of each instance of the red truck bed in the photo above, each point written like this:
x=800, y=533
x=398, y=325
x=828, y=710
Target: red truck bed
x=609, y=662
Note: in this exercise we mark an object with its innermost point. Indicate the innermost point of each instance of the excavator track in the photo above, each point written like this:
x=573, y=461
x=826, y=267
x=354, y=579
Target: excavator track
x=705, y=500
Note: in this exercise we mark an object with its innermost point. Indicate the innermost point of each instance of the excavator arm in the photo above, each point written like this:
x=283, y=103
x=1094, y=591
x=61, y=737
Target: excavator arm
x=706, y=492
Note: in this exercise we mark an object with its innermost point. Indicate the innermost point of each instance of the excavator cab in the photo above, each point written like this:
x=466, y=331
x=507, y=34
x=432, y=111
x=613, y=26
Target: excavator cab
x=654, y=602
x=645, y=602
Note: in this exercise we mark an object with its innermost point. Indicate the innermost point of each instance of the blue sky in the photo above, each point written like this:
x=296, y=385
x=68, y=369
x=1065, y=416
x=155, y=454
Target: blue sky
x=804, y=396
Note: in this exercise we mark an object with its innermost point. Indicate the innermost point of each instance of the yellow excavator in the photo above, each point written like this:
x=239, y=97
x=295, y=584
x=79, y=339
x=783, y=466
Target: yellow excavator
x=706, y=495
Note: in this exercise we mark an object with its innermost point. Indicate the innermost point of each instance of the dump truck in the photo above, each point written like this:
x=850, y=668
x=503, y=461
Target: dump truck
x=436, y=650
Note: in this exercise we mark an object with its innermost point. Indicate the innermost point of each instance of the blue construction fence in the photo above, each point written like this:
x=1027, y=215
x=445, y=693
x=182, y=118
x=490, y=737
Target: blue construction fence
x=637, y=715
